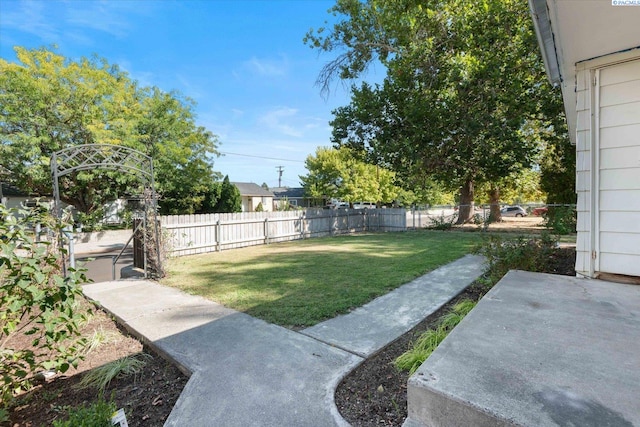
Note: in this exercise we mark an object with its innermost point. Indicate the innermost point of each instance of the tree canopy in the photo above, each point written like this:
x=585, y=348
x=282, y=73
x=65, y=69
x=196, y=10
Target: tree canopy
x=465, y=84
x=337, y=173
x=49, y=102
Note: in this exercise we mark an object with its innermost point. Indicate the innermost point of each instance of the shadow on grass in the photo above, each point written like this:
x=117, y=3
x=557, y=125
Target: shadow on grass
x=299, y=284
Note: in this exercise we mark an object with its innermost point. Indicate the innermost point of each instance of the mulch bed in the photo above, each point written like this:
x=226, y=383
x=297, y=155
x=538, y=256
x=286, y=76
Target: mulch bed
x=147, y=397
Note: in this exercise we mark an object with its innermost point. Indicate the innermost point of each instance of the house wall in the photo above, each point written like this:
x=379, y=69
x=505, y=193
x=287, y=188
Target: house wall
x=608, y=165
x=249, y=203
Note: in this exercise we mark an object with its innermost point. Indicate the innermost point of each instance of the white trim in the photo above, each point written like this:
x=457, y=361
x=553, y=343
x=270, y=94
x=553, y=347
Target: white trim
x=594, y=250
x=609, y=60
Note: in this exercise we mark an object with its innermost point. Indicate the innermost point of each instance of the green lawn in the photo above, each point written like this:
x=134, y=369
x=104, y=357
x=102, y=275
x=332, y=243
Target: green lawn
x=304, y=282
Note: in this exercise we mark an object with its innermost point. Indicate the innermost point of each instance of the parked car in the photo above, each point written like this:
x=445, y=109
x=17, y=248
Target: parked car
x=540, y=211
x=364, y=205
x=517, y=211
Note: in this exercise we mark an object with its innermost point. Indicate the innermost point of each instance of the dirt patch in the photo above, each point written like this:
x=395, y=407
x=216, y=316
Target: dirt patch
x=147, y=397
x=375, y=393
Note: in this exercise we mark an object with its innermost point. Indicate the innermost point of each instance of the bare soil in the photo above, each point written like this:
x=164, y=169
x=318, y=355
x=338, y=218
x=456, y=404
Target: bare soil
x=375, y=393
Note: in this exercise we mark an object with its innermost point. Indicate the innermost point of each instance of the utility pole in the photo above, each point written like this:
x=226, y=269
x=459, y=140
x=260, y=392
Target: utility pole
x=280, y=170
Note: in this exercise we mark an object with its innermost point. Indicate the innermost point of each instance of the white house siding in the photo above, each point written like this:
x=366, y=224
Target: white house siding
x=619, y=169
x=583, y=172
x=608, y=225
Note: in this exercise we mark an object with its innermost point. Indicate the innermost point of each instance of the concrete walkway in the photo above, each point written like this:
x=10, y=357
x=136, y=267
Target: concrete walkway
x=246, y=372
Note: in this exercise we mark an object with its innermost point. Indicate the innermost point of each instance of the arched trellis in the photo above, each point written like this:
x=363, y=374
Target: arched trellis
x=106, y=156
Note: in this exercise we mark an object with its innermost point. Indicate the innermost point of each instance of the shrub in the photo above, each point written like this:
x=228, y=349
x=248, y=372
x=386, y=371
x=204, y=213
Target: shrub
x=521, y=253
x=442, y=222
x=561, y=219
x=37, y=302
x=97, y=414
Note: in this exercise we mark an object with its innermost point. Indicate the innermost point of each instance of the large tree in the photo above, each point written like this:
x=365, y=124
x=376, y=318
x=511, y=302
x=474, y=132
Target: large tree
x=463, y=81
x=49, y=102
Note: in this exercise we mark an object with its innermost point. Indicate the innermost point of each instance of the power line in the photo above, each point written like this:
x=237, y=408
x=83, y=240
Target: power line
x=260, y=157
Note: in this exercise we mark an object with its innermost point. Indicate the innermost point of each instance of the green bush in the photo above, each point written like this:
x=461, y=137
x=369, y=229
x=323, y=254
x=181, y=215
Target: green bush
x=97, y=414
x=36, y=301
x=561, y=219
x=519, y=253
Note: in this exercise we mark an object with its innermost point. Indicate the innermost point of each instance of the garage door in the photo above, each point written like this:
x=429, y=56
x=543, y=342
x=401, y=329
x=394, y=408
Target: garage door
x=619, y=169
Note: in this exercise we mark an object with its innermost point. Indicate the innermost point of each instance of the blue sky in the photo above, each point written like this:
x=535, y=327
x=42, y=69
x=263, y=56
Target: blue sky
x=242, y=61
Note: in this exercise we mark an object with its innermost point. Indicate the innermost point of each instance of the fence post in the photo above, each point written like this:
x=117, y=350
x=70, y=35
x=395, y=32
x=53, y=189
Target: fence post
x=218, y=245
x=266, y=231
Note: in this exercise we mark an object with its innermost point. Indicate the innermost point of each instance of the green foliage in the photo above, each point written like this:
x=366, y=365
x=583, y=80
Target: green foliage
x=98, y=414
x=339, y=174
x=50, y=102
x=561, y=219
x=36, y=301
x=431, y=339
x=260, y=208
x=442, y=222
x=465, y=95
x=101, y=377
x=521, y=253
x=230, y=200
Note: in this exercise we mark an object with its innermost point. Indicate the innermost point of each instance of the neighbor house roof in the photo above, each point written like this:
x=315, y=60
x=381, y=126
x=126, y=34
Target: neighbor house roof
x=252, y=189
x=291, y=193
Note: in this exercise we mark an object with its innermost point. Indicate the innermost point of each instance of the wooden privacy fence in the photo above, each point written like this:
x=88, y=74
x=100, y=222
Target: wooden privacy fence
x=193, y=234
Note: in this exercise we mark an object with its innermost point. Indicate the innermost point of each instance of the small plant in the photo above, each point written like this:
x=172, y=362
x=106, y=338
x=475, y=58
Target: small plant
x=98, y=414
x=260, y=208
x=101, y=377
x=99, y=337
x=431, y=339
x=442, y=222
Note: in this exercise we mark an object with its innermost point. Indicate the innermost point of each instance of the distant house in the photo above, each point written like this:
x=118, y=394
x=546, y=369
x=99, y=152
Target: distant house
x=252, y=195
x=294, y=196
x=592, y=50
x=12, y=197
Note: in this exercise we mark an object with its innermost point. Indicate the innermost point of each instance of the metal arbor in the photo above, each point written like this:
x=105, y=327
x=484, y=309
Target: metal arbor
x=106, y=156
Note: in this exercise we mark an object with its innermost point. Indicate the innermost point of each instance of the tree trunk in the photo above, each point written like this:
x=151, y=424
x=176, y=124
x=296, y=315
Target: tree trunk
x=465, y=212
x=494, y=201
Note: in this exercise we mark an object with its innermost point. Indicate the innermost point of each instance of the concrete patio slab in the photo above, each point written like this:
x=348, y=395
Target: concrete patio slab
x=538, y=350
x=369, y=328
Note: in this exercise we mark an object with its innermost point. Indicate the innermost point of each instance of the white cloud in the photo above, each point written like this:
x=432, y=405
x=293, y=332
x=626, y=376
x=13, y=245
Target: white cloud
x=278, y=120
x=268, y=67
x=29, y=17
